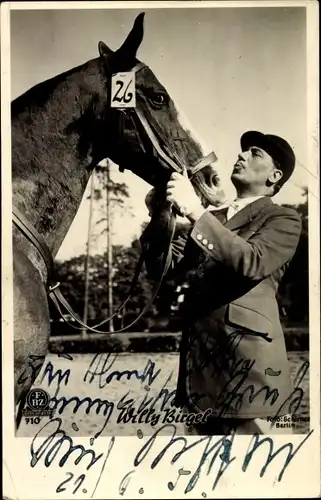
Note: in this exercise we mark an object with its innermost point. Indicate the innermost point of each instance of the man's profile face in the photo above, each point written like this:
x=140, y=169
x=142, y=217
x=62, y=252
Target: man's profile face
x=253, y=167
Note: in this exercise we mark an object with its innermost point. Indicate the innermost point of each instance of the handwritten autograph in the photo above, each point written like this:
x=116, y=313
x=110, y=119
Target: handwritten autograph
x=57, y=442
x=212, y=455
x=144, y=407
x=216, y=452
x=236, y=389
x=107, y=361
x=130, y=409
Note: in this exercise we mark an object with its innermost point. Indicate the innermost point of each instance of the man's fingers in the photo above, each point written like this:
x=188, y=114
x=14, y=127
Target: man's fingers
x=174, y=184
x=175, y=176
x=171, y=199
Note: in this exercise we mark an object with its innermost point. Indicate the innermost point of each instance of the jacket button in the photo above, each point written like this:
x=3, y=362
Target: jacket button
x=205, y=241
x=210, y=246
x=199, y=237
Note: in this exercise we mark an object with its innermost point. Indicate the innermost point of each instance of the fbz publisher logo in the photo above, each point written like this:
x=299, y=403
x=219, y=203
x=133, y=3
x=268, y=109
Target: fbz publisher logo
x=37, y=404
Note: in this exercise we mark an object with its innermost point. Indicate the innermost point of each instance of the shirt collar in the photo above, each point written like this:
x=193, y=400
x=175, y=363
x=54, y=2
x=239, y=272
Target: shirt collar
x=240, y=202
x=243, y=202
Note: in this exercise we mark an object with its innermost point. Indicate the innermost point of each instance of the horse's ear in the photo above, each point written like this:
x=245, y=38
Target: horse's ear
x=134, y=39
x=104, y=50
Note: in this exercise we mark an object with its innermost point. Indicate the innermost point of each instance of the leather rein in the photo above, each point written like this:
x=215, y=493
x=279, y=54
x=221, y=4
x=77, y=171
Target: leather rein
x=172, y=162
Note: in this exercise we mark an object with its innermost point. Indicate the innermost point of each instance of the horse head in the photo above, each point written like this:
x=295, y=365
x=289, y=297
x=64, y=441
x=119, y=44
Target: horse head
x=61, y=129
x=129, y=145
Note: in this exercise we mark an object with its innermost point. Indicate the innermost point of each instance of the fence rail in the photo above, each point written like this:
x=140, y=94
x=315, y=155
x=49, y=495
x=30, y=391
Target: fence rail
x=296, y=338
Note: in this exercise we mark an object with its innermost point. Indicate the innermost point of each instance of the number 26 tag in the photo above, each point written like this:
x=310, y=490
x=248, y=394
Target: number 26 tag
x=123, y=94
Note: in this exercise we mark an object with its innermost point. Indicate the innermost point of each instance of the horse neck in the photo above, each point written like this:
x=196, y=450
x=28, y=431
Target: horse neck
x=52, y=149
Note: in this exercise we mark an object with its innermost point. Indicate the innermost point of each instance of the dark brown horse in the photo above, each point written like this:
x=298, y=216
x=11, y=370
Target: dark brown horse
x=61, y=129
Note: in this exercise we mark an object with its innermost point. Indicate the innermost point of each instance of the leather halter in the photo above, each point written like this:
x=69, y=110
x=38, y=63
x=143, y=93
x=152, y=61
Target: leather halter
x=168, y=157
x=172, y=162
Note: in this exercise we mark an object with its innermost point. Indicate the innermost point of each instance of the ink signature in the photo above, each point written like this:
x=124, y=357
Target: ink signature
x=150, y=408
x=130, y=409
x=32, y=371
x=59, y=442
x=235, y=391
x=107, y=361
x=34, y=366
x=213, y=453
x=149, y=405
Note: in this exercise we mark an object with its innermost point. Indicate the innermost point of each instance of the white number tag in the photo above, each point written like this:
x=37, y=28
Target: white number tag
x=123, y=91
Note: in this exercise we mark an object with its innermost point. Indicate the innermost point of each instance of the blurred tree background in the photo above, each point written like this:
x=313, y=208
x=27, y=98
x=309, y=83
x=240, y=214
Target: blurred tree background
x=293, y=293
x=164, y=314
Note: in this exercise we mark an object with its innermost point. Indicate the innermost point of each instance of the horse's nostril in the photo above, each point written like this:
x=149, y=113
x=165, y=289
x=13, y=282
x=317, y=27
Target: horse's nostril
x=209, y=179
x=214, y=179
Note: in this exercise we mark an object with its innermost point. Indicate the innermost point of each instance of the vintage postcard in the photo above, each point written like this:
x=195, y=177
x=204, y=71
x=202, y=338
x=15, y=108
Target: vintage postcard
x=160, y=249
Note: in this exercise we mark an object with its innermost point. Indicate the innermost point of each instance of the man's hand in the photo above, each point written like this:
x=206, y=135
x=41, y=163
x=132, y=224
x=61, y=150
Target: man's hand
x=181, y=193
x=151, y=201
x=156, y=201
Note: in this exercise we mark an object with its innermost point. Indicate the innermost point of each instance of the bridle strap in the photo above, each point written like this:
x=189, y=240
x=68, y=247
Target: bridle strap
x=33, y=236
x=153, y=139
x=57, y=297
x=170, y=159
x=171, y=164
x=204, y=162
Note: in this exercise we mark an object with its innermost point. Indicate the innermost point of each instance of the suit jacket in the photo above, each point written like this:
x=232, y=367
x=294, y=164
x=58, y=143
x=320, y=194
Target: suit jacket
x=233, y=358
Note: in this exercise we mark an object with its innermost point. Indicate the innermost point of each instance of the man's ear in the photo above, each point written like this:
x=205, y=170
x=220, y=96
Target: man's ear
x=274, y=177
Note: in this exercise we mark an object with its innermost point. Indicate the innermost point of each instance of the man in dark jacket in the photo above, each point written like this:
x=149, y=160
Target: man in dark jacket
x=233, y=357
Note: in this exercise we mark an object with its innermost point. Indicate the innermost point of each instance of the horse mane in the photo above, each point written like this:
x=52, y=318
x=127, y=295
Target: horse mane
x=40, y=94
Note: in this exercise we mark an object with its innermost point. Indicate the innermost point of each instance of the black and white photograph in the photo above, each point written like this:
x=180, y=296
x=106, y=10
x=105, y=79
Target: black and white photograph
x=160, y=244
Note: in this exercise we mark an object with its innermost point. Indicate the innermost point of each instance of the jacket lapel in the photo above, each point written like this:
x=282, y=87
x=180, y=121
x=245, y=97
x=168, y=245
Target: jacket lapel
x=221, y=214
x=248, y=213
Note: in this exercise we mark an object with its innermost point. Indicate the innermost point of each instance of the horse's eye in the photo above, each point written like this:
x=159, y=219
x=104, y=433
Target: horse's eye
x=158, y=98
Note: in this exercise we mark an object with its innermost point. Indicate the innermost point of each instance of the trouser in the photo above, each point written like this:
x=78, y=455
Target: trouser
x=224, y=426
